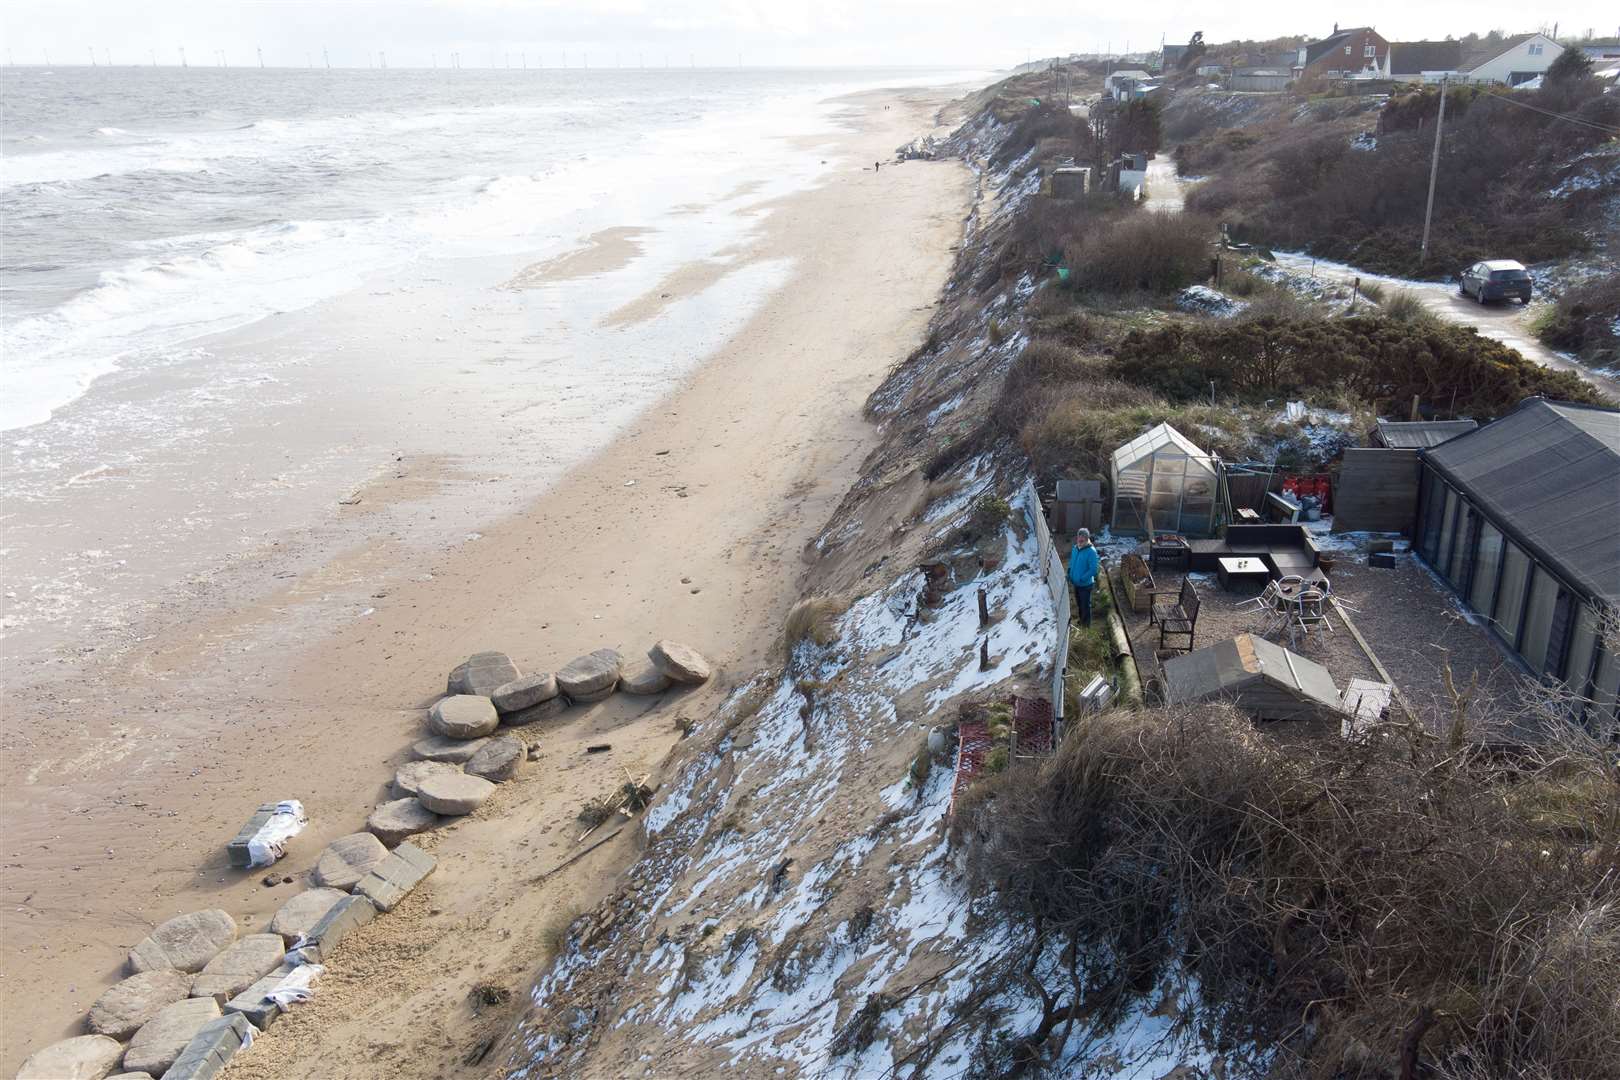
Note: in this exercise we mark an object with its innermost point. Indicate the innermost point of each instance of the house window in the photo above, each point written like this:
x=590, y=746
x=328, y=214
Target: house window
x=1370, y=50
x=1347, y=50
x=1535, y=50
x=1510, y=597
x=1486, y=569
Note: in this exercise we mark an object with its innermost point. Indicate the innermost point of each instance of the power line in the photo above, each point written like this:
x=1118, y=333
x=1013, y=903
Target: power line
x=1494, y=96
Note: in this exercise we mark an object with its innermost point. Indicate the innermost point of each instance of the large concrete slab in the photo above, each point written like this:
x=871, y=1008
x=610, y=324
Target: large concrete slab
x=391, y=880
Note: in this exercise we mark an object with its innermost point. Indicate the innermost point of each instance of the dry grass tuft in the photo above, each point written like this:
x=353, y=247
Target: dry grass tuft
x=814, y=619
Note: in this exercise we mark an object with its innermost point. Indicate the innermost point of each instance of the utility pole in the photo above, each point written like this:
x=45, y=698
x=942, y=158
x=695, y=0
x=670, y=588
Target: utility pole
x=1434, y=172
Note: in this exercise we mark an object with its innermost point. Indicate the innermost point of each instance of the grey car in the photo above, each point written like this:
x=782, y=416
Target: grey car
x=1496, y=279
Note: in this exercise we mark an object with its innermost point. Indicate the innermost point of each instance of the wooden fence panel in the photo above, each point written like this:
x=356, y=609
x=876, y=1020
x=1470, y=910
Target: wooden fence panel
x=1377, y=490
x=1056, y=574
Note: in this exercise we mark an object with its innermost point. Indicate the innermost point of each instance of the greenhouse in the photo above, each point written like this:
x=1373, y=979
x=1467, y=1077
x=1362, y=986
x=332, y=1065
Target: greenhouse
x=1164, y=483
x=1520, y=518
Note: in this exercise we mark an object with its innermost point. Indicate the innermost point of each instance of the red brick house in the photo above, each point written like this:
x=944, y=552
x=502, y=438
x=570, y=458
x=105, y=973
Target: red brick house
x=1360, y=52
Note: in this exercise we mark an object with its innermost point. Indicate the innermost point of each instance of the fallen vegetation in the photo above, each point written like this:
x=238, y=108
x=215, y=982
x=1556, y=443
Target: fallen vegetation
x=1355, y=907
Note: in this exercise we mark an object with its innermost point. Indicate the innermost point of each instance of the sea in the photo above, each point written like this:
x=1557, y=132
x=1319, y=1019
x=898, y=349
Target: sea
x=228, y=295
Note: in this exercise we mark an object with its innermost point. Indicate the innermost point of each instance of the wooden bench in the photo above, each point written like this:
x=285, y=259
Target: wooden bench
x=1177, y=618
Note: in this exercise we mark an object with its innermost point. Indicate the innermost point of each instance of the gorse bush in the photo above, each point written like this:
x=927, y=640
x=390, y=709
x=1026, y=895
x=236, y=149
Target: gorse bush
x=1373, y=359
x=1339, y=906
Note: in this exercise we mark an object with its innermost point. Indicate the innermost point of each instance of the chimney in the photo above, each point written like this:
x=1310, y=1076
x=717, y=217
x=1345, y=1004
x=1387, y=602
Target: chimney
x=1335, y=28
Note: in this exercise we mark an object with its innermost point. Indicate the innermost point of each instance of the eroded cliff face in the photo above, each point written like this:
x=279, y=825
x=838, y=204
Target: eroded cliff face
x=799, y=909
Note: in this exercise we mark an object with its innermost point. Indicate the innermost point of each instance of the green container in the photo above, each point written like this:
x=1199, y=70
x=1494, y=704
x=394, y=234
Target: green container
x=1063, y=273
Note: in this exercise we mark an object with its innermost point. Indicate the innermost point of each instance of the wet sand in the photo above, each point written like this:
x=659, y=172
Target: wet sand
x=125, y=774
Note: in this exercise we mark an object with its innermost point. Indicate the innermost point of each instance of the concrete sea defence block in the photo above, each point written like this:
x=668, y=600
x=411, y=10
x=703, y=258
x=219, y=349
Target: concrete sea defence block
x=590, y=677
x=454, y=794
x=185, y=942
x=208, y=1051
x=524, y=693
x=348, y=859
x=161, y=1039
x=464, y=716
x=350, y=913
x=393, y=821
x=391, y=880
x=83, y=1057
x=440, y=748
x=298, y=916
x=482, y=674
x=124, y=1007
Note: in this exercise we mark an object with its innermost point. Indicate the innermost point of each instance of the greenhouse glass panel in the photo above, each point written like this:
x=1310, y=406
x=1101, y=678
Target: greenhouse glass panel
x=1164, y=483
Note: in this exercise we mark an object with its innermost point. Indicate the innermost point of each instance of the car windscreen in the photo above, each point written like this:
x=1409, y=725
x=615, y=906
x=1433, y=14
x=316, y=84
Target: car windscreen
x=1509, y=275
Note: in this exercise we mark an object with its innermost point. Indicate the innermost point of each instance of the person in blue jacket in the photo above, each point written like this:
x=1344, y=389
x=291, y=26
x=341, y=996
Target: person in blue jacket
x=1083, y=564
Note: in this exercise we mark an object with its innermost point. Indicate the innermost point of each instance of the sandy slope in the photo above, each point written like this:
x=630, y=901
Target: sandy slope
x=118, y=820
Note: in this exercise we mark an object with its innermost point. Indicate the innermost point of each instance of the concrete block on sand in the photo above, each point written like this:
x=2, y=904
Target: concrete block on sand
x=238, y=850
x=481, y=674
x=185, y=942
x=299, y=915
x=524, y=693
x=439, y=748
x=590, y=675
x=162, y=1038
x=464, y=716
x=348, y=914
x=208, y=1051
x=643, y=678
x=394, y=821
x=239, y=966
x=123, y=1008
x=681, y=663
x=251, y=1002
x=347, y=859
x=391, y=880
x=543, y=711
x=408, y=777
x=454, y=794
x=84, y=1057
x=499, y=760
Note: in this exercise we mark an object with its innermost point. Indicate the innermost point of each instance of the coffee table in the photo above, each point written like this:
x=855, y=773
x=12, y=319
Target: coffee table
x=1242, y=573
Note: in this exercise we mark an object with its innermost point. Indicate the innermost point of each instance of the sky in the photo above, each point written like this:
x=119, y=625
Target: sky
x=978, y=33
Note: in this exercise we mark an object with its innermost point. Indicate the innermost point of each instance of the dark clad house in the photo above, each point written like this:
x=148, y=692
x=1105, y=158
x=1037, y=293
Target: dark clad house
x=1522, y=519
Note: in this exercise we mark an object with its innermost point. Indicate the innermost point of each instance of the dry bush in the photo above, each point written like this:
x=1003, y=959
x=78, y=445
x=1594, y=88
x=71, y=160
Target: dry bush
x=814, y=619
x=1335, y=901
x=1586, y=321
x=1148, y=252
x=1404, y=306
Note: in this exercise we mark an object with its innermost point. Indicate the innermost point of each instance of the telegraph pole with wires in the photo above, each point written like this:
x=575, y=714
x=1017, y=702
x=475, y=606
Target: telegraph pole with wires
x=1434, y=172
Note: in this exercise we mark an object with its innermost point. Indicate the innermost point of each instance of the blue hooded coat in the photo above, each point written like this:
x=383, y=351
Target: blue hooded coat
x=1083, y=564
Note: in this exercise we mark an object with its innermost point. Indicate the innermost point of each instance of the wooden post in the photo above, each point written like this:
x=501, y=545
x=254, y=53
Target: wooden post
x=984, y=608
x=984, y=654
x=1414, y=406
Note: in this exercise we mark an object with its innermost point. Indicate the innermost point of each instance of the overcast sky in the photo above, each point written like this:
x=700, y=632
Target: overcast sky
x=980, y=33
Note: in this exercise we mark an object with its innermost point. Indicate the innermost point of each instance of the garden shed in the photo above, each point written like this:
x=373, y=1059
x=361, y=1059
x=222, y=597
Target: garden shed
x=1520, y=518
x=1265, y=680
x=1164, y=483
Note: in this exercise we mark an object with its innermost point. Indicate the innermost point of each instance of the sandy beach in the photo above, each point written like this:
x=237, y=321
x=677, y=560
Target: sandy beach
x=126, y=773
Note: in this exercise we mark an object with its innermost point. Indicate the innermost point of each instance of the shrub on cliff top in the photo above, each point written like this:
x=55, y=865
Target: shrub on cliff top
x=1374, y=359
x=1146, y=252
x=1344, y=906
